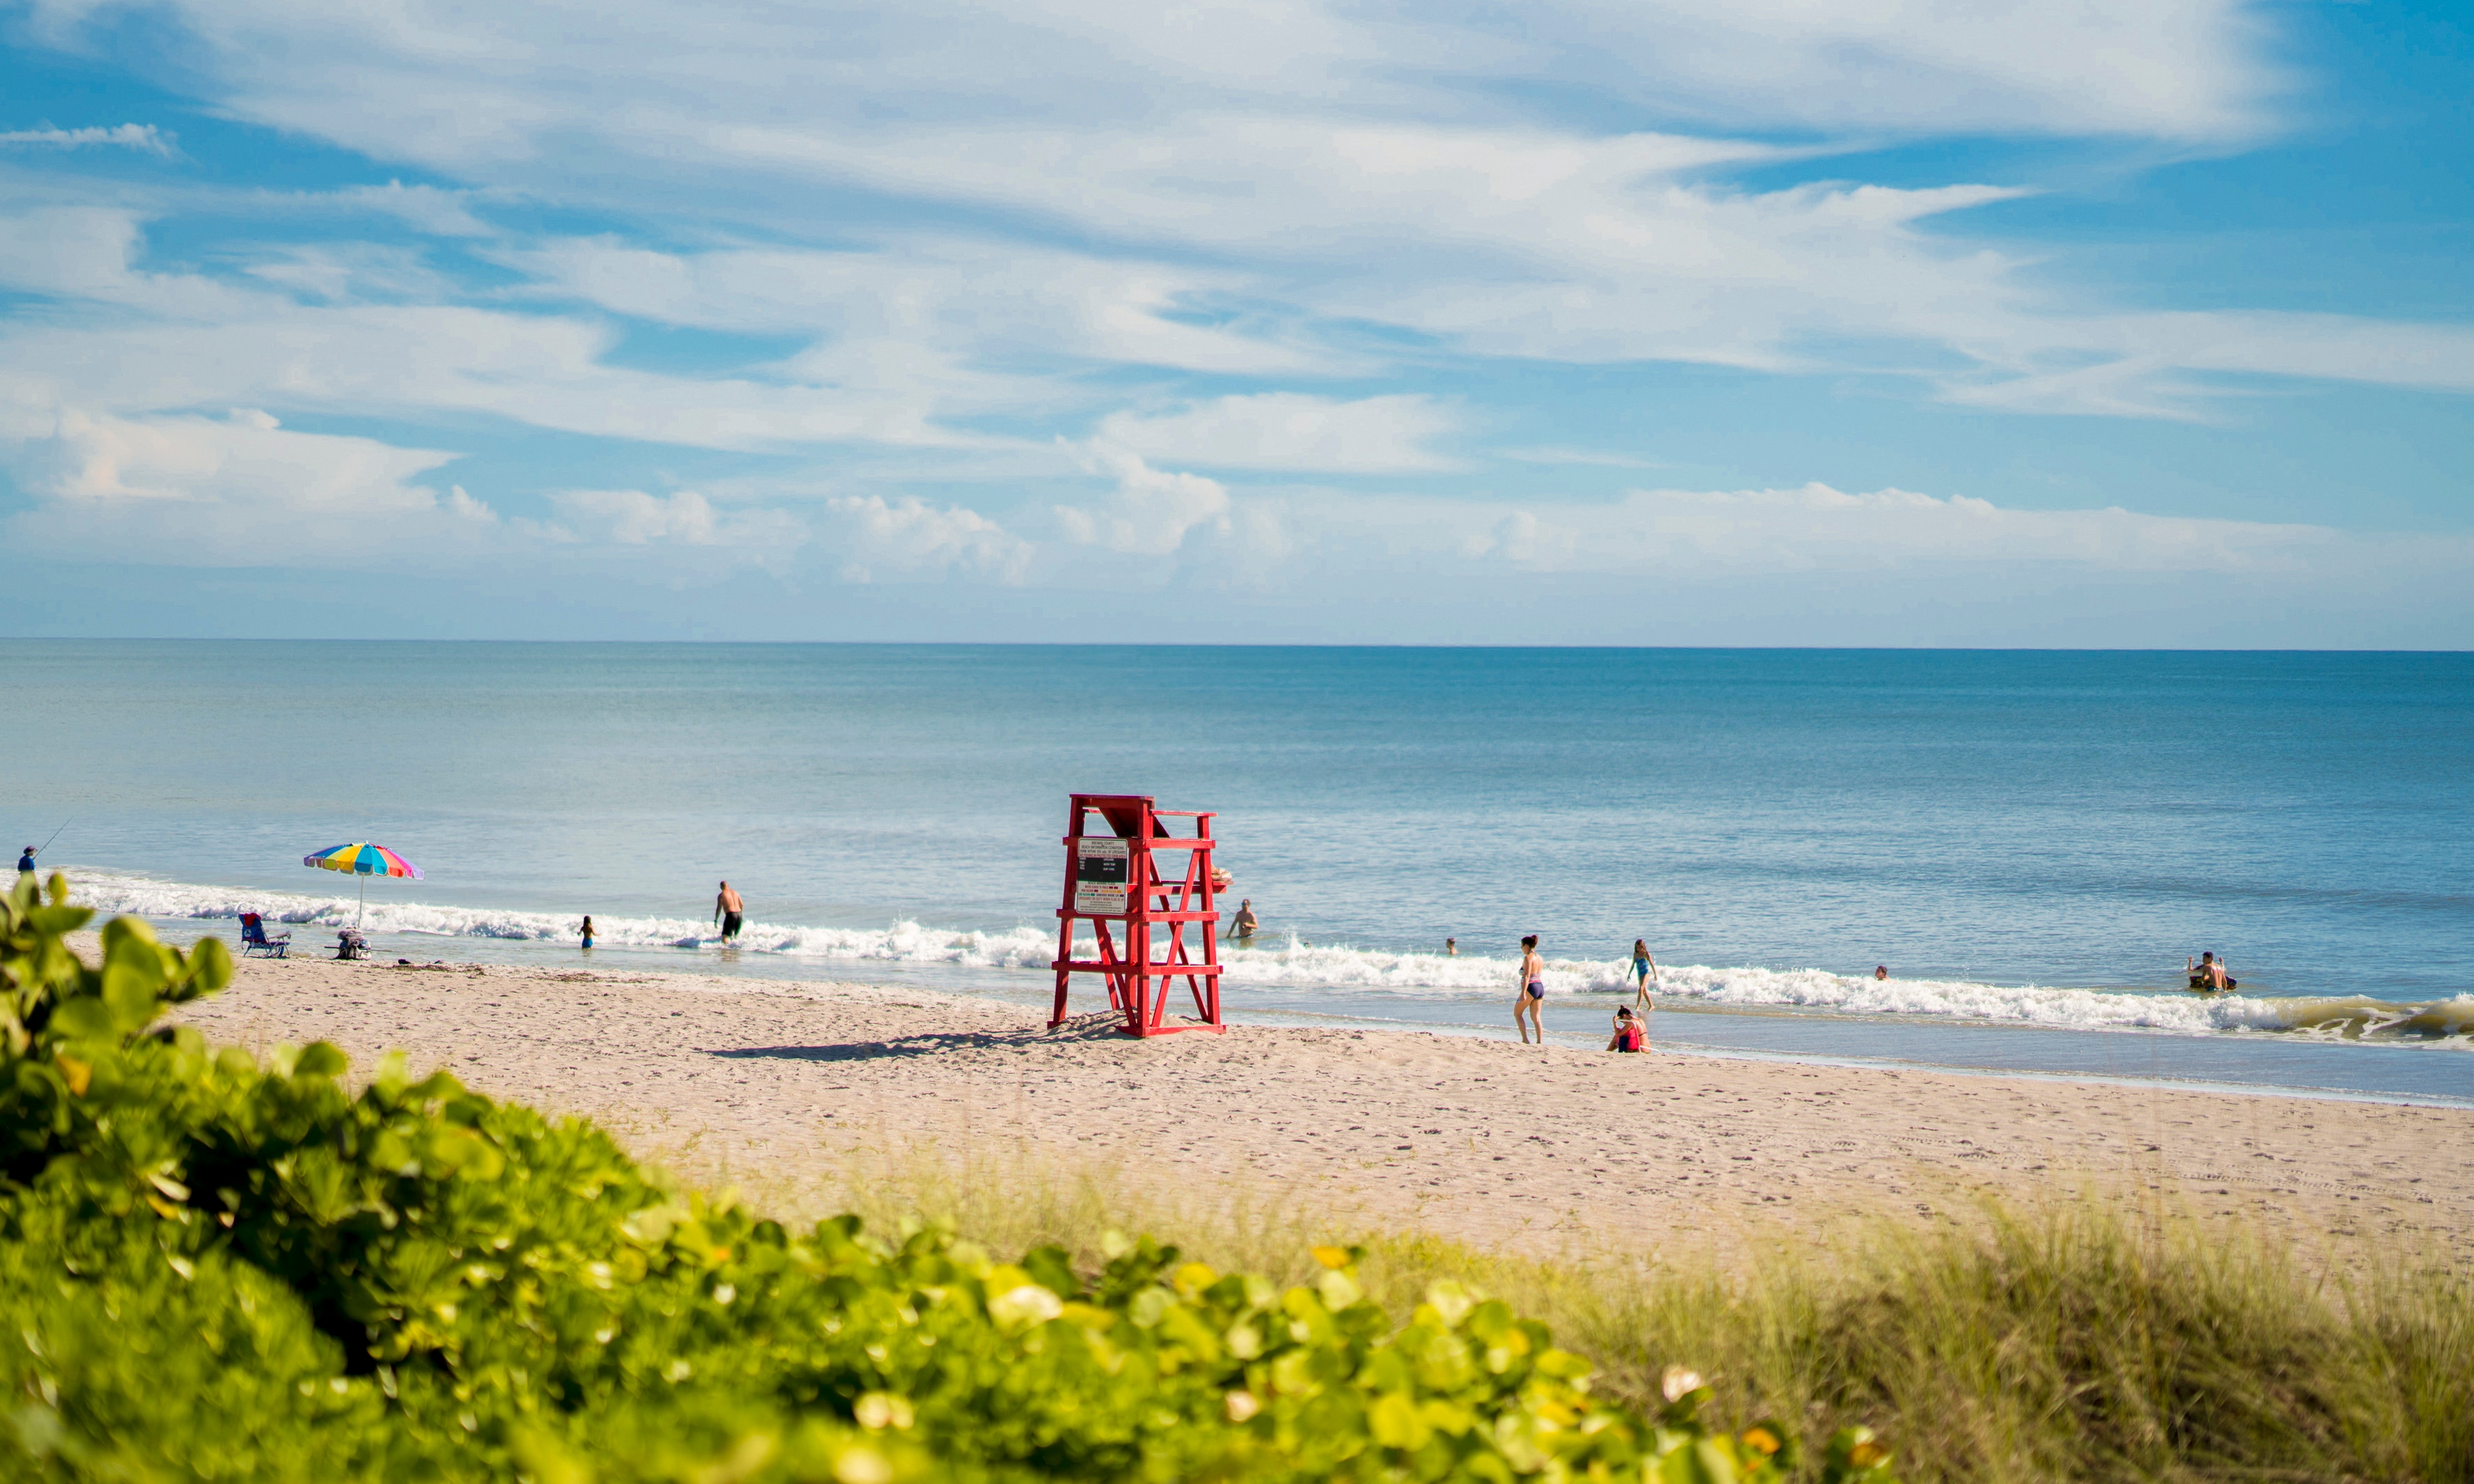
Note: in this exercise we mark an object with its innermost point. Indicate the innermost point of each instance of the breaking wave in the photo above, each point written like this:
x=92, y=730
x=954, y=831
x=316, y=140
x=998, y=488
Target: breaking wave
x=1302, y=967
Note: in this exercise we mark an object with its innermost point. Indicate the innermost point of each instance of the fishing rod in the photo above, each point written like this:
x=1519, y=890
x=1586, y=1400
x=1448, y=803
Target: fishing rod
x=56, y=833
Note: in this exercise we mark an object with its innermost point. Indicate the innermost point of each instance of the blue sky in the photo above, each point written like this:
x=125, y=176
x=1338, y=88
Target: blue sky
x=2128, y=323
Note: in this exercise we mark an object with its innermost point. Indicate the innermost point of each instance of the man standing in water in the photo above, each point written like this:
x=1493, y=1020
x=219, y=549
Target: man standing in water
x=1243, y=924
x=727, y=910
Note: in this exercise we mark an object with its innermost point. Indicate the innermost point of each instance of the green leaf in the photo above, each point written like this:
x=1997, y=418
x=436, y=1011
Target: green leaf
x=131, y=991
x=85, y=1018
x=210, y=966
x=318, y=1058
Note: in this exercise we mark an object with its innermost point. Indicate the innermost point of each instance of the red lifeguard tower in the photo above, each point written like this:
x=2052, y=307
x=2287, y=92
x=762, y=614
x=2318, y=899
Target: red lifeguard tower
x=1114, y=875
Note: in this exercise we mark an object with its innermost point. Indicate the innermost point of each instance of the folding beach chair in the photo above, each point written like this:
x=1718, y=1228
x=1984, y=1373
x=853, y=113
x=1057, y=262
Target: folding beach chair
x=254, y=938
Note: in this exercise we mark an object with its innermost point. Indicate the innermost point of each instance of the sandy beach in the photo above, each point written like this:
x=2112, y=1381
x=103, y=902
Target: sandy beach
x=788, y=1088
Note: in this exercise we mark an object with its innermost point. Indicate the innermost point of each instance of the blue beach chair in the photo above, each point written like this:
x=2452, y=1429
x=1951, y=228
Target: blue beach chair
x=254, y=938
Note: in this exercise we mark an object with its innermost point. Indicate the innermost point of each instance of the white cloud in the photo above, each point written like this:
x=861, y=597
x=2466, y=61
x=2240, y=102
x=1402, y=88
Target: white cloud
x=441, y=214
x=145, y=139
x=237, y=491
x=1330, y=163
x=633, y=518
x=911, y=538
x=1817, y=528
x=1291, y=430
x=471, y=88
x=1151, y=510
x=954, y=296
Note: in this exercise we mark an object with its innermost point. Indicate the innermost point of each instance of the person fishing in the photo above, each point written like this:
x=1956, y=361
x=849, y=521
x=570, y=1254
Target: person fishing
x=26, y=857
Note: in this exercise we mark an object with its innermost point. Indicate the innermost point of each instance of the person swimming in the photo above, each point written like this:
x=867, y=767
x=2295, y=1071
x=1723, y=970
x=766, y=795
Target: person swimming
x=1880, y=971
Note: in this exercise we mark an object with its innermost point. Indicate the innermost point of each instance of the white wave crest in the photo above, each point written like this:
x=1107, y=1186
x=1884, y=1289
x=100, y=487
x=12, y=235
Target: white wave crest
x=904, y=942
x=1302, y=967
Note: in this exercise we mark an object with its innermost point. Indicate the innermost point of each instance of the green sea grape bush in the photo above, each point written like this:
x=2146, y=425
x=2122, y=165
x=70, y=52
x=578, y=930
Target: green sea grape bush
x=213, y=1269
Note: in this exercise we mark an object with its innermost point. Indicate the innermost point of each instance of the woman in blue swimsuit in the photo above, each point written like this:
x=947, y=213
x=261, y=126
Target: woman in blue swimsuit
x=1531, y=998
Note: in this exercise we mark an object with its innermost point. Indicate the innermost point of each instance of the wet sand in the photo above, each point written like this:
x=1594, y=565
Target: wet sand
x=784, y=1086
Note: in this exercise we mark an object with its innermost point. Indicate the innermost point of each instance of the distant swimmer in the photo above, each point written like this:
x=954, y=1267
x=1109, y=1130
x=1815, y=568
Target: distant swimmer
x=1629, y=1036
x=1451, y=948
x=1530, y=997
x=1643, y=969
x=1880, y=971
x=2209, y=973
x=1243, y=924
x=730, y=911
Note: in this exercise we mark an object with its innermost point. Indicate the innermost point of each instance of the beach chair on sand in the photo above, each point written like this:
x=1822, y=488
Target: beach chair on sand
x=254, y=938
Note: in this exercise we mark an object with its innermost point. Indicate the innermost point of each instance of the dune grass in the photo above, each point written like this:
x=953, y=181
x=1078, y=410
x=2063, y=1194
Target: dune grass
x=2089, y=1338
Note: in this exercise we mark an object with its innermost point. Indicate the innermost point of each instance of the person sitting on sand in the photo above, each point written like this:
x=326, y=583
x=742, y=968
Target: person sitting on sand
x=729, y=909
x=1629, y=1036
x=1243, y=924
x=1529, y=997
x=2209, y=973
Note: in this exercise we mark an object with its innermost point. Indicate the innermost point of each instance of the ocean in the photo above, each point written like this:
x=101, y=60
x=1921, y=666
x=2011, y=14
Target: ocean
x=2032, y=844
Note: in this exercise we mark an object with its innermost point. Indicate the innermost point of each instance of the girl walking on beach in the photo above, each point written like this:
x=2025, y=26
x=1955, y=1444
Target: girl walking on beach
x=1643, y=969
x=1531, y=998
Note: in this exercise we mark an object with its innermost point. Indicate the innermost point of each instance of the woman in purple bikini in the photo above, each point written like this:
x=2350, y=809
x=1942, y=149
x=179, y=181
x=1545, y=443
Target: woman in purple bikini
x=1531, y=997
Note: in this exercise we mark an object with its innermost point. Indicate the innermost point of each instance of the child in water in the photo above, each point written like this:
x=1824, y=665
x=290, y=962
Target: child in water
x=588, y=932
x=1629, y=1035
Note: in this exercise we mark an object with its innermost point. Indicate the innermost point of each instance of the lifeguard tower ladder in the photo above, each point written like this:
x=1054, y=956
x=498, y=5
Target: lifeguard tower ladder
x=1114, y=875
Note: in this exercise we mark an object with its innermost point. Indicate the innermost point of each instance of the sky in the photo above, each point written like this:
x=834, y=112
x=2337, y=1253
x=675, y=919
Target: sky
x=2117, y=324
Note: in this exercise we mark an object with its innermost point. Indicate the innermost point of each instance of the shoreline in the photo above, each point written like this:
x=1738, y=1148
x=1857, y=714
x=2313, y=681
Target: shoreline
x=2298, y=1064
x=729, y=1080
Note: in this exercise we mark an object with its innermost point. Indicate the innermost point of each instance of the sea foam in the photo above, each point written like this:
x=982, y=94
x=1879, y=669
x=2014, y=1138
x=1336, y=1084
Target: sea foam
x=1295, y=965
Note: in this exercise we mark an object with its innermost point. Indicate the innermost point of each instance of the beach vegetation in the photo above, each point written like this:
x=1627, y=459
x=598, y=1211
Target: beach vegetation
x=2096, y=1334
x=214, y=1266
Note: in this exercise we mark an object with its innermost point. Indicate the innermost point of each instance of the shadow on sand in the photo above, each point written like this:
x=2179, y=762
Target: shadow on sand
x=1102, y=1027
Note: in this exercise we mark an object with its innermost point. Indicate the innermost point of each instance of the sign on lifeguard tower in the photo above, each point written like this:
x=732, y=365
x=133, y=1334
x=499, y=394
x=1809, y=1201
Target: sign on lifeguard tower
x=1140, y=887
x=1100, y=876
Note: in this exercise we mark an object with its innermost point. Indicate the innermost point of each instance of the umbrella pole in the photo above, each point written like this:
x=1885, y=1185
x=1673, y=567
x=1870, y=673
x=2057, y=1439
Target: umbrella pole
x=361, y=910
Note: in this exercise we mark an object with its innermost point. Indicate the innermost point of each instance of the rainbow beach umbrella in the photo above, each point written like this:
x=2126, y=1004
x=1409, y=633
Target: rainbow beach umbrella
x=363, y=860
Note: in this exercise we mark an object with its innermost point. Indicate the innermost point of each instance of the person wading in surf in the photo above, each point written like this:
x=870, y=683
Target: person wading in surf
x=2209, y=973
x=1530, y=997
x=728, y=909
